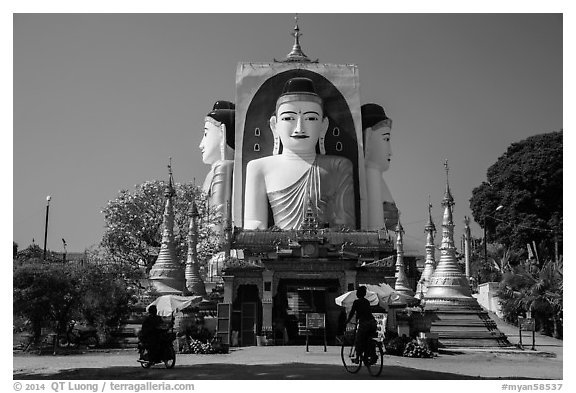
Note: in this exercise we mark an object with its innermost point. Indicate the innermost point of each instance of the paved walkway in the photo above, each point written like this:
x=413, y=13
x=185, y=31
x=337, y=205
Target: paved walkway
x=542, y=343
x=293, y=362
x=289, y=362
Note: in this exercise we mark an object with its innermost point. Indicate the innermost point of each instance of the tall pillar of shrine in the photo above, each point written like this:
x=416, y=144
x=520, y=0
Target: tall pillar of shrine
x=467, y=246
x=402, y=285
x=194, y=283
x=430, y=262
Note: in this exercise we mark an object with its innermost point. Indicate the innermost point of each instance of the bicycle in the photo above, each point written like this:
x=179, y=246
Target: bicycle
x=348, y=354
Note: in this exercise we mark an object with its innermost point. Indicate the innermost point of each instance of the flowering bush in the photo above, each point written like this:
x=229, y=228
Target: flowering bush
x=415, y=350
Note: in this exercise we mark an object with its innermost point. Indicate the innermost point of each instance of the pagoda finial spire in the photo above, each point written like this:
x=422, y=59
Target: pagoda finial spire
x=430, y=227
x=448, y=200
x=169, y=193
x=296, y=54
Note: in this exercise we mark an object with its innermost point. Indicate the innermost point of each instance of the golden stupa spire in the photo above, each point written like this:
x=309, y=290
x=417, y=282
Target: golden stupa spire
x=402, y=285
x=448, y=284
x=167, y=275
x=194, y=283
x=430, y=262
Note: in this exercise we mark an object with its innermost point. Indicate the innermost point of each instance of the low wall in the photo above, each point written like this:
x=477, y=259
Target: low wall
x=487, y=297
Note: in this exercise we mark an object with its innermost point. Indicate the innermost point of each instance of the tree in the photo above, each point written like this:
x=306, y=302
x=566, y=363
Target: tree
x=105, y=293
x=528, y=288
x=46, y=294
x=480, y=269
x=51, y=294
x=31, y=253
x=527, y=181
x=499, y=256
x=133, y=224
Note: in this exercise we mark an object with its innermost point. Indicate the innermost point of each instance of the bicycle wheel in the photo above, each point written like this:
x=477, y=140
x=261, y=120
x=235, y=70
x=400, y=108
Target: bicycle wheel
x=376, y=365
x=348, y=353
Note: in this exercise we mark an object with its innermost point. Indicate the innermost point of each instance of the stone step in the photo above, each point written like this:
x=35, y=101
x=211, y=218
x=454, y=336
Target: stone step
x=467, y=334
x=444, y=314
x=476, y=341
x=465, y=323
x=452, y=328
x=460, y=326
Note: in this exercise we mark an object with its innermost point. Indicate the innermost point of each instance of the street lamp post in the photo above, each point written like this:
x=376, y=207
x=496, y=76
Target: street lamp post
x=48, y=198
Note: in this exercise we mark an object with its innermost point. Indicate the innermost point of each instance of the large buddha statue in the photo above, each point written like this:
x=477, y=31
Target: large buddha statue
x=217, y=147
x=297, y=179
x=376, y=126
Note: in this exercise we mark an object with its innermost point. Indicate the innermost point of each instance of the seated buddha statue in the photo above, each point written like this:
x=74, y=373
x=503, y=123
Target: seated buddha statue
x=217, y=147
x=376, y=126
x=298, y=179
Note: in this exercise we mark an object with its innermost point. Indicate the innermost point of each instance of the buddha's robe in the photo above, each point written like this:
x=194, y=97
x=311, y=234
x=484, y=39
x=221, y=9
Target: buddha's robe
x=327, y=188
x=218, y=187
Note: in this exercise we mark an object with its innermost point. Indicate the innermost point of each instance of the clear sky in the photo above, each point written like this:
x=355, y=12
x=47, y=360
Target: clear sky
x=102, y=100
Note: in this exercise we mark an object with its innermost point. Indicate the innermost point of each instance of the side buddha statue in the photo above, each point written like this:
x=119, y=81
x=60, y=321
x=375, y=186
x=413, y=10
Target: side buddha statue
x=376, y=127
x=217, y=147
x=298, y=179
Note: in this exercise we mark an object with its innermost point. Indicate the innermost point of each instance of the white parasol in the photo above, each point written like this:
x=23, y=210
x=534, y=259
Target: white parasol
x=169, y=304
x=389, y=296
x=348, y=298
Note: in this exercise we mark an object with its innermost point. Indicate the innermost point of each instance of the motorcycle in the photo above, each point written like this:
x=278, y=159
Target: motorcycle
x=165, y=352
x=77, y=334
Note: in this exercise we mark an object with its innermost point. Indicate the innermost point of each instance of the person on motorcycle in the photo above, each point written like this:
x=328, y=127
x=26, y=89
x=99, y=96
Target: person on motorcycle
x=152, y=332
x=367, y=326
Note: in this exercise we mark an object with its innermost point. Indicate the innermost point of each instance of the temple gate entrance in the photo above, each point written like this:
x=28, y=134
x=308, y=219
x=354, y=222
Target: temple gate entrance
x=295, y=298
x=247, y=314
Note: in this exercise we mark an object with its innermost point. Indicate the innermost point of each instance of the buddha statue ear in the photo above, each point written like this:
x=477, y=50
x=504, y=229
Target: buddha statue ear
x=226, y=152
x=276, y=148
x=222, y=141
x=325, y=124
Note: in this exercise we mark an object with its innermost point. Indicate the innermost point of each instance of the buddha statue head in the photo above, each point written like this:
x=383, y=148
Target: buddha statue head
x=218, y=140
x=376, y=128
x=299, y=122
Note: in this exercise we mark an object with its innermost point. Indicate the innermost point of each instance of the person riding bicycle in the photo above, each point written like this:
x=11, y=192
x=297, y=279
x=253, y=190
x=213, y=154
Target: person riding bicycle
x=152, y=332
x=367, y=326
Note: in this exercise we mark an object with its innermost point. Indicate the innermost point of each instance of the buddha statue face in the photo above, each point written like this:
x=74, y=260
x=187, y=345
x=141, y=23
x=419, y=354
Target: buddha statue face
x=210, y=144
x=378, y=151
x=299, y=125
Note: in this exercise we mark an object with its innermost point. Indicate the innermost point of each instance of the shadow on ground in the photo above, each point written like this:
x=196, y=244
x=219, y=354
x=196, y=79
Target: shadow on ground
x=294, y=371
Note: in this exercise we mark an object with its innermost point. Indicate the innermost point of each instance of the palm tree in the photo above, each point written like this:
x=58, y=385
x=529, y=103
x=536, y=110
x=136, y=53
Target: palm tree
x=545, y=296
x=537, y=291
x=498, y=256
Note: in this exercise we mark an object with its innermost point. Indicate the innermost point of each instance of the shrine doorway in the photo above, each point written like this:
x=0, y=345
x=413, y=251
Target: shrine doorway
x=295, y=298
x=247, y=314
